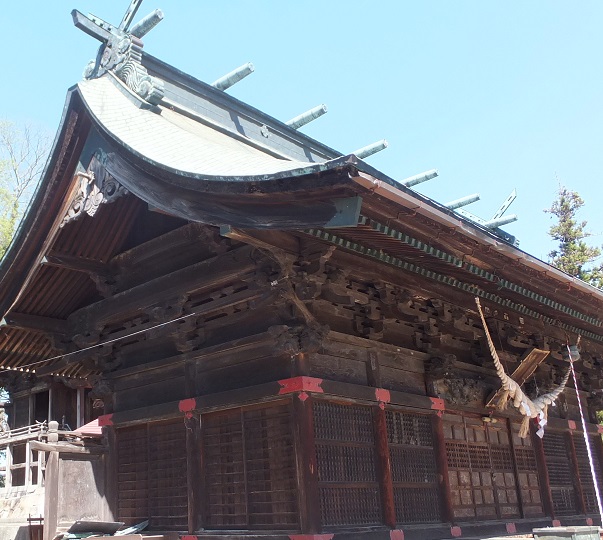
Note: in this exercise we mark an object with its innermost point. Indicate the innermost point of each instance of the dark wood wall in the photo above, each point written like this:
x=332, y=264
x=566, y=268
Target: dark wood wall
x=193, y=314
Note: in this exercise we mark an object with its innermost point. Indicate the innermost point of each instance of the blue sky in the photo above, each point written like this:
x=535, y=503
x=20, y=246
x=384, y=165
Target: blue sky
x=495, y=95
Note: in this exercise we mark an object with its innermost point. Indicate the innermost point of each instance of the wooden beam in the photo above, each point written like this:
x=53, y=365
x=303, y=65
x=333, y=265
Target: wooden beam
x=72, y=358
x=75, y=263
x=34, y=323
x=209, y=274
x=105, y=349
x=66, y=447
x=373, y=369
x=279, y=241
x=274, y=390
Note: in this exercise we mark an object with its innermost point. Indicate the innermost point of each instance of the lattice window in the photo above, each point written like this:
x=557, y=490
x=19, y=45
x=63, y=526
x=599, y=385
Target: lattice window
x=527, y=474
x=481, y=472
x=414, y=469
x=586, y=477
x=526, y=459
x=347, y=477
x=479, y=456
x=502, y=458
x=151, y=473
x=458, y=455
x=249, y=462
x=560, y=472
x=410, y=429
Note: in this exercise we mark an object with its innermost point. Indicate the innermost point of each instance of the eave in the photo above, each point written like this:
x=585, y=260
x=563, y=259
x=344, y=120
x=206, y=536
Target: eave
x=341, y=201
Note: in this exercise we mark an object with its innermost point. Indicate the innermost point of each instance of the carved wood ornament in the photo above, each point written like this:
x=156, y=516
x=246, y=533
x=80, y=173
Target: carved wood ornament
x=96, y=187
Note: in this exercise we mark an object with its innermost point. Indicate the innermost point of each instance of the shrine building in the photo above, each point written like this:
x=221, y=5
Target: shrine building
x=218, y=324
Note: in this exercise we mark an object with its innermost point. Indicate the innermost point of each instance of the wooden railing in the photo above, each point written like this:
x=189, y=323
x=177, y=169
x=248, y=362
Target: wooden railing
x=24, y=467
x=23, y=433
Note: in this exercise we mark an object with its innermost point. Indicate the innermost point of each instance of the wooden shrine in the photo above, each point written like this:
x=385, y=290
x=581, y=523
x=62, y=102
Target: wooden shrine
x=279, y=341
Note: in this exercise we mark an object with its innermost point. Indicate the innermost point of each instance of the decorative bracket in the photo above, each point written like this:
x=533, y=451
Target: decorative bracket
x=96, y=187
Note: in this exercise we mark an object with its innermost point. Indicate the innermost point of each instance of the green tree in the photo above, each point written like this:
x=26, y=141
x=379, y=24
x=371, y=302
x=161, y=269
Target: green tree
x=23, y=153
x=574, y=256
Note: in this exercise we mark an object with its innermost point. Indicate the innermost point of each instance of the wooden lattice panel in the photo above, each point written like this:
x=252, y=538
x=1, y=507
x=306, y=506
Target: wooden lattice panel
x=250, y=472
x=586, y=477
x=559, y=466
x=151, y=474
x=347, y=477
x=527, y=475
x=414, y=469
x=480, y=469
x=224, y=465
x=168, y=499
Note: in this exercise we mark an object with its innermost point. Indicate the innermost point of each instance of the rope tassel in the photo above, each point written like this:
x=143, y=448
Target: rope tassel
x=536, y=408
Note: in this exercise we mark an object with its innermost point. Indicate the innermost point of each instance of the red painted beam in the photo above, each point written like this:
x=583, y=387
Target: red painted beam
x=300, y=384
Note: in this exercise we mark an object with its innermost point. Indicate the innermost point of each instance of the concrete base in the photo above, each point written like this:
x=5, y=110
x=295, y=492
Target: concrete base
x=567, y=533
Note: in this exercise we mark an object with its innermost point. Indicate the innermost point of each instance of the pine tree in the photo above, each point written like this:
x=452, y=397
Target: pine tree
x=574, y=256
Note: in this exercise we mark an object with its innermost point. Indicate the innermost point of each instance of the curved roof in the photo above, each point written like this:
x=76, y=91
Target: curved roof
x=180, y=144
x=191, y=165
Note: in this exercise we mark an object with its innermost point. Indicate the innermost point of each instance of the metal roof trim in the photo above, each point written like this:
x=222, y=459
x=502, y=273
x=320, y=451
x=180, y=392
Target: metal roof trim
x=430, y=209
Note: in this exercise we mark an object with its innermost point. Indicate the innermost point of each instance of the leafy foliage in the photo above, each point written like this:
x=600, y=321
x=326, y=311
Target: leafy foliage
x=574, y=256
x=22, y=157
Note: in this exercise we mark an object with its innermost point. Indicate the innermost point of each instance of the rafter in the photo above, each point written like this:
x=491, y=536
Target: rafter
x=34, y=323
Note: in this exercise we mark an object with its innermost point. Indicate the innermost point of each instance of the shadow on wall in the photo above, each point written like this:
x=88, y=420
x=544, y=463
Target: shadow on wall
x=13, y=531
x=15, y=508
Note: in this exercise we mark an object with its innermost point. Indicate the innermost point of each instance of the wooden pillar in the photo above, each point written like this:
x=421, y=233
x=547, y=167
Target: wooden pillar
x=384, y=467
x=41, y=463
x=543, y=475
x=575, y=472
x=307, y=471
x=442, y=464
x=31, y=420
x=27, y=465
x=515, y=468
x=50, y=403
x=112, y=464
x=195, y=478
x=8, y=480
x=80, y=407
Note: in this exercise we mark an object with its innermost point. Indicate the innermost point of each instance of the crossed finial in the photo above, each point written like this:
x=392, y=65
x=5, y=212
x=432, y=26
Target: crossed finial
x=120, y=52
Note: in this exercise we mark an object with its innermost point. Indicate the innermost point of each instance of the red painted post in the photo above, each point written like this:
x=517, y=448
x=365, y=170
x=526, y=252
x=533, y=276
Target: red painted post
x=307, y=471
